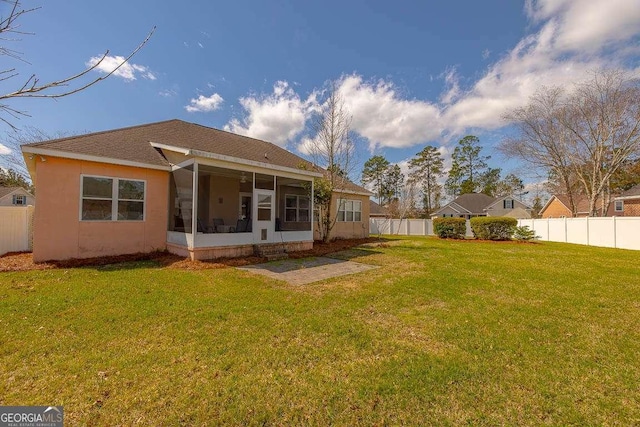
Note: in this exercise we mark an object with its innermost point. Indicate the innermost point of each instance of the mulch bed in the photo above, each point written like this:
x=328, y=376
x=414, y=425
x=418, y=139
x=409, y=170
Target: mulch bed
x=23, y=261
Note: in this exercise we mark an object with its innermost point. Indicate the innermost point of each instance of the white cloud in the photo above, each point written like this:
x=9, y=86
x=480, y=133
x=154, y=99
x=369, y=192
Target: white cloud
x=4, y=150
x=203, y=104
x=128, y=71
x=571, y=39
x=167, y=93
x=278, y=117
x=386, y=119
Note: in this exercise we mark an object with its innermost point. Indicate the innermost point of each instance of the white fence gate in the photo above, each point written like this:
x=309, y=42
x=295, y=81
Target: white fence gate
x=611, y=232
x=16, y=229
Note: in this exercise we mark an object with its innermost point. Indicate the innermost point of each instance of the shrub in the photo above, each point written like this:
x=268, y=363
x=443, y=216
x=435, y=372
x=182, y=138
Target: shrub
x=450, y=228
x=524, y=233
x=493, y=227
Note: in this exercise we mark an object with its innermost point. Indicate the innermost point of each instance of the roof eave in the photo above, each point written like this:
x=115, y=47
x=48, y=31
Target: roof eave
x=29, y=150
x=231, y=159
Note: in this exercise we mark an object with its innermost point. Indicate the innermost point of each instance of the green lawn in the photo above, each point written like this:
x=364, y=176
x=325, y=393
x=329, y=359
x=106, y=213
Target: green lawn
x=444, y=333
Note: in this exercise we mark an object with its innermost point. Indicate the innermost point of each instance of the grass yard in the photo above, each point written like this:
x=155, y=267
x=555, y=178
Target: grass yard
x=445, y=332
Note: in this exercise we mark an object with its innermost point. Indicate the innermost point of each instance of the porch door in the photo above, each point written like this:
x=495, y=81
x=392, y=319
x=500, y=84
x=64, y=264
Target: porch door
x=264, y=216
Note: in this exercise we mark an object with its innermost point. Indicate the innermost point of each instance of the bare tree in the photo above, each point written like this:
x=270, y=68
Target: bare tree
x=405, y=202
x=603, y=119
x=32, y=87
x=13, y=140
x=332, y=149
x=582, y=137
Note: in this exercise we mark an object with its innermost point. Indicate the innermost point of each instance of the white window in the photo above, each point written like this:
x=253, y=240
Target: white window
x=296, y=208
x=112, y=199
x=349, y=210
x=619, y=205
x=19, y=199
x=508, y=203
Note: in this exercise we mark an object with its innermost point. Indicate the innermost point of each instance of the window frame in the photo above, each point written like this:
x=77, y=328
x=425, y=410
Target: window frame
x=342, y=207
x=21, y=197
x=115, y=198
x=512, y=202
x=615, y=205
x=297, y=207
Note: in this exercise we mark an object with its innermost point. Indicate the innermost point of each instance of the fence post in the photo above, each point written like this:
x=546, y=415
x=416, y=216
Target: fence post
x=615, y=233
x=588, y=231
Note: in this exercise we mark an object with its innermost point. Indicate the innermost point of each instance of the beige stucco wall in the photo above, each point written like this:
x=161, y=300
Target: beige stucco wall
x=348, y=230
x=58, y=231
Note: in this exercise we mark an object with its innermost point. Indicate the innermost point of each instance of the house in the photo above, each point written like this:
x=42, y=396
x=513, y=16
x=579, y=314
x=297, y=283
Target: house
x=558, y=206
x=477, y=204
x=628, y=203
x=16, y=196
x=377, y=211
x=196, y=191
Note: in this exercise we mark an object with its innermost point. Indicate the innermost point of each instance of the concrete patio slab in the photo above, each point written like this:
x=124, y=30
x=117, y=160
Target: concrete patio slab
x=307, y=270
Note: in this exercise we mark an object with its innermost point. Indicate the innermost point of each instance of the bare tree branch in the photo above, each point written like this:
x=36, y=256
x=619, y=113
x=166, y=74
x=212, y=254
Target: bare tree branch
x=32, y=87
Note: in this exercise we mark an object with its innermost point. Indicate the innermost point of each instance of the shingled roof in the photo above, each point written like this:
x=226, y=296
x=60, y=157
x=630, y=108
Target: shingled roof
x=632, y=193
x=134, y=145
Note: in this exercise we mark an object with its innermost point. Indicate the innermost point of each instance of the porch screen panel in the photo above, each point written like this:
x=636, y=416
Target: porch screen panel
x=181, y=199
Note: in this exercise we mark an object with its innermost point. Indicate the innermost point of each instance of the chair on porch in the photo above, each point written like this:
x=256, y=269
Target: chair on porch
x=217, y=222
x=243, y=225
x=204, y=228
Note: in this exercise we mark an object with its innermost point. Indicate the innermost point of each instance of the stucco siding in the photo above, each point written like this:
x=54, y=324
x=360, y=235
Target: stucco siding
x=58, y=231
x=348, y=229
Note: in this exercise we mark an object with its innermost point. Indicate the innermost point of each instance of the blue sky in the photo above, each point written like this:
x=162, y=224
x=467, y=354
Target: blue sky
x=412, y=73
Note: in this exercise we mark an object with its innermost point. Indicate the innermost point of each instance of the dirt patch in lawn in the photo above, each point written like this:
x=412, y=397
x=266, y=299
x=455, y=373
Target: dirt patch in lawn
x=23, y=261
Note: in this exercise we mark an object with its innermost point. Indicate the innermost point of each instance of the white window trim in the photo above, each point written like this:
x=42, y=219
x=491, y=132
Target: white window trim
x=343, y=202
x=297, y=208
x=114, y=199
x=615, y=204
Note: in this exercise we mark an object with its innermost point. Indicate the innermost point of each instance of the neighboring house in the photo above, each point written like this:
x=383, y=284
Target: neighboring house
x=193, y=190
x=558, y=206
x=16, y=196
x=628, y=203
x=377, y=211
x=477, y=204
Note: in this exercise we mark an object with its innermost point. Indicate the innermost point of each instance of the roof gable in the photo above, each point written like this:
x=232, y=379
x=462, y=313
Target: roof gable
x=508, y=196
x=7, y=191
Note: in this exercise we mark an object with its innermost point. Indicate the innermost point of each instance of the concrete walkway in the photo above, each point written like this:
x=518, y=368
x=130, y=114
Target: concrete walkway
x=307, y=270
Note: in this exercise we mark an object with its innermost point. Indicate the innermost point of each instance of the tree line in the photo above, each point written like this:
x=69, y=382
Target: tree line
x=428, y=183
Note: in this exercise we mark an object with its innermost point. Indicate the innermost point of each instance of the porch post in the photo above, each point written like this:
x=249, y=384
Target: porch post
x=194, y=201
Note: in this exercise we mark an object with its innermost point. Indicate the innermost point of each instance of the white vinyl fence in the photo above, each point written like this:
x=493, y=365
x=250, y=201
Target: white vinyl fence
x=611, y=232
x=16, y=229
x=405, y=227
